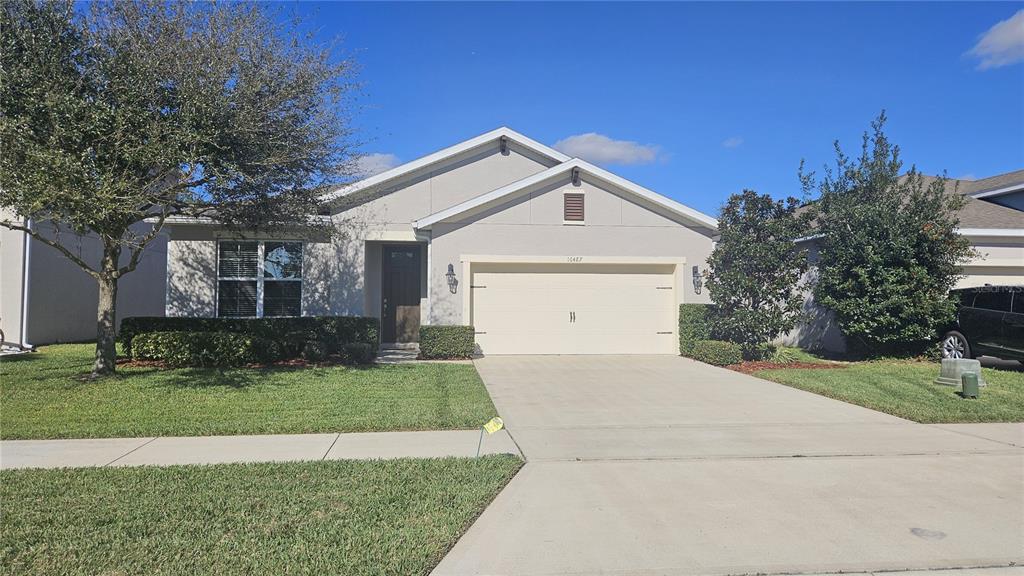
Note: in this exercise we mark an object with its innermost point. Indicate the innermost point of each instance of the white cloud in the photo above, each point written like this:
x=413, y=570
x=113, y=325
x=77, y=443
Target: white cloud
x=369, y=164
x=732, y=142
x=600, y=149
x=1002, y=44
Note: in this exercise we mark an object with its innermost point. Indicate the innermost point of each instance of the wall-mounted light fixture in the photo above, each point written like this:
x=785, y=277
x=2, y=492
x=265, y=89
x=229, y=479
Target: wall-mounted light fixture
x=698, y=281
x=575, y=176
x=503, y=145
x=453, y=282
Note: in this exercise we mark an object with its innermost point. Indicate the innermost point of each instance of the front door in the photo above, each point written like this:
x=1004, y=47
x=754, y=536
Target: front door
x=400, y=304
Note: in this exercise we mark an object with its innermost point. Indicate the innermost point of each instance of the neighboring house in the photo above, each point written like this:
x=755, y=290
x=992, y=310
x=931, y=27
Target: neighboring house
x=992, y=219
x=541, y=253
x=45, y=298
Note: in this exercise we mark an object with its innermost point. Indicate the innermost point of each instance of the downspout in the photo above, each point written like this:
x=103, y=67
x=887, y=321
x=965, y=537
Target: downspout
x=26, y=261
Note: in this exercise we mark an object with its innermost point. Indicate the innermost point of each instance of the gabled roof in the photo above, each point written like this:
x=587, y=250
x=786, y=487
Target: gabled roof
x=505, y=193
x=441, y=156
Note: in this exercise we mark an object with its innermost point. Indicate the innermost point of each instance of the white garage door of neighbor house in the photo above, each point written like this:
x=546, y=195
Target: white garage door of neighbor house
x=574, y=309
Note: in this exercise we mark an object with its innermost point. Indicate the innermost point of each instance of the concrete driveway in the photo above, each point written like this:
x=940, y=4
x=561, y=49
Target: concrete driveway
x=661, y=465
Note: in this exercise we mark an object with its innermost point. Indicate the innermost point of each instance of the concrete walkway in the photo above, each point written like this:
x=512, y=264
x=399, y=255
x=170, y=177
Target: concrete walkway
x=166, y=450
x=661, y=465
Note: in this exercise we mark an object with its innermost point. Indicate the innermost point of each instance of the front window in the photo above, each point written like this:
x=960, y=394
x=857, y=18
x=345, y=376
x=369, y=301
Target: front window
x=259, y=279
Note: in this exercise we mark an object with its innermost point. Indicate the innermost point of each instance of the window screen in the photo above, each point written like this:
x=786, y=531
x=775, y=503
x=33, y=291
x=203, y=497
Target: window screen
x=257, y=279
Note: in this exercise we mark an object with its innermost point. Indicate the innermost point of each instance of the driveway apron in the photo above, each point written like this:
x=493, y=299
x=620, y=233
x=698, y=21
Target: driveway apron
x=662, y=465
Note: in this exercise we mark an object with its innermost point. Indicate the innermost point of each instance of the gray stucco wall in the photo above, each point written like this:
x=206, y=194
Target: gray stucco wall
x=62, y=297
x=532, y=226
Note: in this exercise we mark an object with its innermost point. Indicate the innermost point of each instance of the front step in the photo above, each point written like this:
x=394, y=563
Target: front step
x=400, y=346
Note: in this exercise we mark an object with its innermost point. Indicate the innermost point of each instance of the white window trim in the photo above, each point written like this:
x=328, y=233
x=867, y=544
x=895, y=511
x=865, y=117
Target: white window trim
x=574, y=222
x=260, y=279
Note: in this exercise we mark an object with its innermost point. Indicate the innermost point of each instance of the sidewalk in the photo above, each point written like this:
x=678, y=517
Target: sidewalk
x=169, y=450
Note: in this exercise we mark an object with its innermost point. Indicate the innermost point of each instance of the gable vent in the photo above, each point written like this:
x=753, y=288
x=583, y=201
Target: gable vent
x=573, y=210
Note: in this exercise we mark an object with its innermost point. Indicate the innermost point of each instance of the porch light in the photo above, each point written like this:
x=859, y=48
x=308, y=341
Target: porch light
x=453, y=282
x=697, y=280
x=575, y=176
x=503, y=146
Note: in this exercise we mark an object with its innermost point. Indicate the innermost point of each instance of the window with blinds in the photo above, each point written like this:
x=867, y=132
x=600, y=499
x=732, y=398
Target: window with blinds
x=259, y=279
x=572, y=207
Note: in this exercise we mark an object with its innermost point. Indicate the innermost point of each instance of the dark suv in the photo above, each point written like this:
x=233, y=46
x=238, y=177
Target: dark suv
x=989, y=322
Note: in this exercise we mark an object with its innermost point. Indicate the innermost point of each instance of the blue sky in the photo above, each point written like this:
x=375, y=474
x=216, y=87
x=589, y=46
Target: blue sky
x=716, y=97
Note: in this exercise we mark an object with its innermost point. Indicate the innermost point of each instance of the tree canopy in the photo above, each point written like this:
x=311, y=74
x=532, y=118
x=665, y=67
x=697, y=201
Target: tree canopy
x=118, y=115
x=889, y=251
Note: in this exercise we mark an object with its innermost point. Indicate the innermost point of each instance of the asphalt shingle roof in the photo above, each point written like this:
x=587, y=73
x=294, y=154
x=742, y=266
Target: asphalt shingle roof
x=979, y=213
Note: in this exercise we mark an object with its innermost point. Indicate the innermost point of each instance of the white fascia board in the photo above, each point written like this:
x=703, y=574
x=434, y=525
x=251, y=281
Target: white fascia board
x=204, y=221
x=998, y=191
x=509, y=191
x=992, y=232
x=442, y=155
x=969, y=232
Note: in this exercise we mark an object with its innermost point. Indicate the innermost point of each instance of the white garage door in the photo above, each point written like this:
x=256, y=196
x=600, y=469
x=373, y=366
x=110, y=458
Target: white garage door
x=574, y=309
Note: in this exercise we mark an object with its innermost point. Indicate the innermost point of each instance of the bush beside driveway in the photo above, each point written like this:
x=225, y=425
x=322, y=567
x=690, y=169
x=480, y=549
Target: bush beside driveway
x=43, y=397
x=905, y=389
x=333, y=517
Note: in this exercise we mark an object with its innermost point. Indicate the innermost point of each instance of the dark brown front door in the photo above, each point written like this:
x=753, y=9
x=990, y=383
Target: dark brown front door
x=400, y=313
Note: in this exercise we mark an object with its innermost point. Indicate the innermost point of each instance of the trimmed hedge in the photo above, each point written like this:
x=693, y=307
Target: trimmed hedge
x=447, y=342
x=291, y=333
x=358, y=353
x=694, y=324
x=716, y=352
x=204, y=349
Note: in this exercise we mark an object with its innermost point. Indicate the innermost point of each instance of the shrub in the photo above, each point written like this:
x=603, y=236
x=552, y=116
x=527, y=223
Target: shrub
x=786, y=355
x=314, y=351
x=694, y=324
x=716, y=352
x=447, y=342
x=291, y=333
x=758, y=352
x=754, y=274
x=203, y=349
x=889, y=251
x=356, y=353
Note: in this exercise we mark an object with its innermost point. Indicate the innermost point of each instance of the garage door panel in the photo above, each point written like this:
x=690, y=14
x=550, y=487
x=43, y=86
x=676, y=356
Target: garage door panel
x=574, y=310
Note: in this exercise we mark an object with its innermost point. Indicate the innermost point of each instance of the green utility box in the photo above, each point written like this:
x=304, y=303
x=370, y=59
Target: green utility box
x=969, y=381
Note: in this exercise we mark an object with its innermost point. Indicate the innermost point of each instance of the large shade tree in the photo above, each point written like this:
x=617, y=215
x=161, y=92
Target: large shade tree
x=117, y=116
x=889, y=250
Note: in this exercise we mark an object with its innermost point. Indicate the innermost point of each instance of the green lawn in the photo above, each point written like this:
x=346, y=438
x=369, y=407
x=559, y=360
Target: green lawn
x=905, y=389
x=43, y=397
x=334, y=517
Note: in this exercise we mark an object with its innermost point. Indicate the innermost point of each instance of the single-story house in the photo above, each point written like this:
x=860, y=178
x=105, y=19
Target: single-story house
x=541, y=253
x=992, y=219
x=45, y=298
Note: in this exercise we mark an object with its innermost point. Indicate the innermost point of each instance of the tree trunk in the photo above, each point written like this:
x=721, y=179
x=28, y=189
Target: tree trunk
x=106, y=314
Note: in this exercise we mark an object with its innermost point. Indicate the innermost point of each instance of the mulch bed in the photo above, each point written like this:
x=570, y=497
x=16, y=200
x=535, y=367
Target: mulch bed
x=751, y=367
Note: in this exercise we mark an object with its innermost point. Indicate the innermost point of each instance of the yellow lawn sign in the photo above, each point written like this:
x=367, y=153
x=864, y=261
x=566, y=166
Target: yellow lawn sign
x=492, y=426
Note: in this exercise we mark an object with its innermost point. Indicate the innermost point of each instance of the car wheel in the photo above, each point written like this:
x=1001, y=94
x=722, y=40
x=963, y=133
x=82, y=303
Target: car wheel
x=954, y=345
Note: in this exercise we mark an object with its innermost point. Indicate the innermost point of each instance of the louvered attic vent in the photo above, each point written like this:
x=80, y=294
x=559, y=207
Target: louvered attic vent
x=573, y=208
